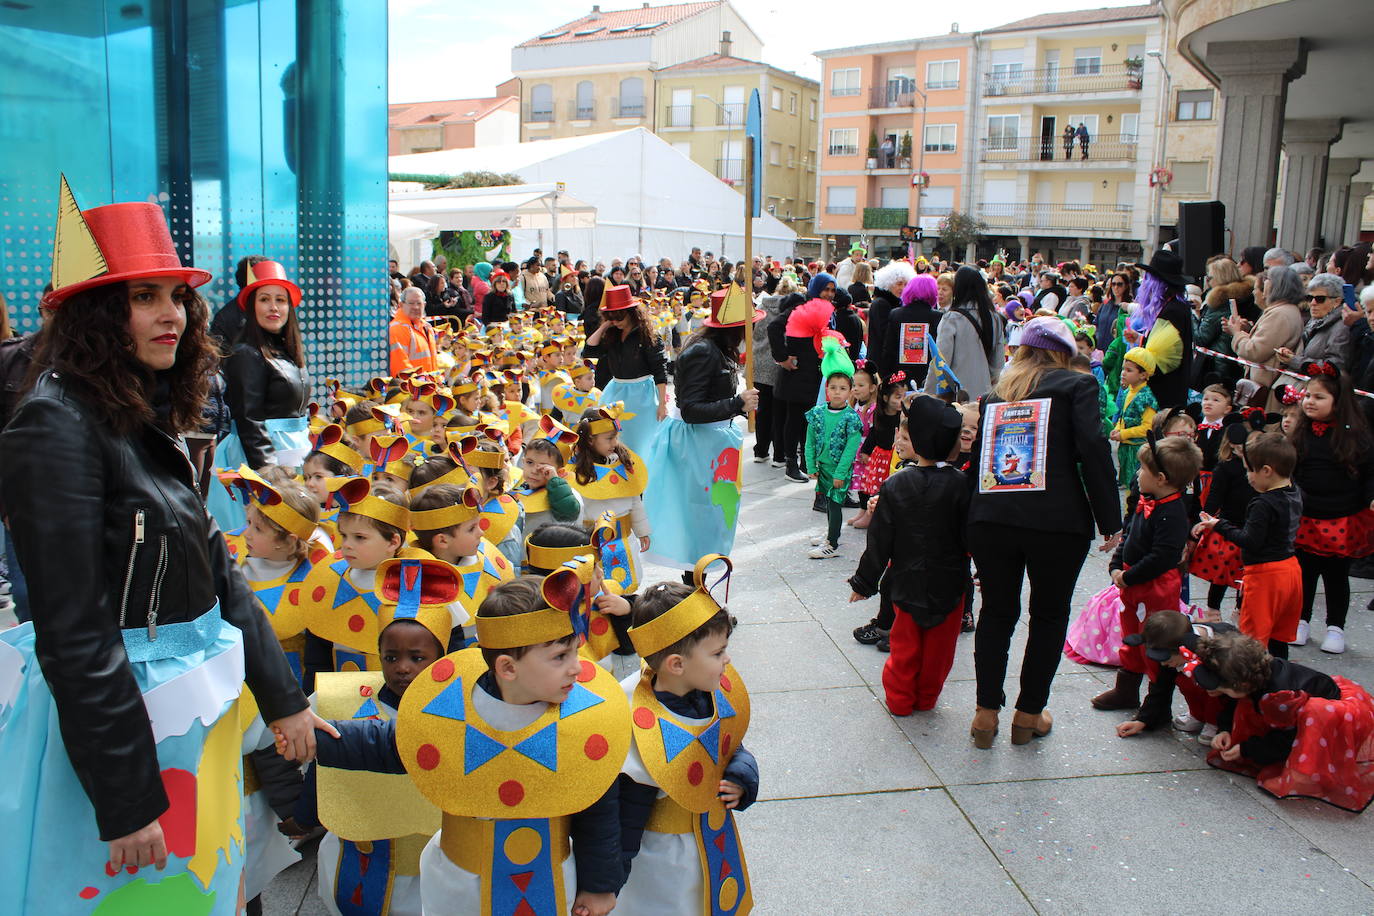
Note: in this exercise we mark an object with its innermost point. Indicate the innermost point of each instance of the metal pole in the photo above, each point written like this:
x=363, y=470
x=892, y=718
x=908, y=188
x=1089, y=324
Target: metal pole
x=553, y=212
x=921, y=160
x=1163, y=151
x=748, y=265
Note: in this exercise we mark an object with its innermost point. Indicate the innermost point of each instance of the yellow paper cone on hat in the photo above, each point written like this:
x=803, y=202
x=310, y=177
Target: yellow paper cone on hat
x=736, y=308
x=76, y=257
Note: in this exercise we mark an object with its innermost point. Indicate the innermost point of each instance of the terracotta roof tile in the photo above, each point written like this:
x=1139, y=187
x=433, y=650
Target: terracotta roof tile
x=451, y=111
x=599, y=26
x=713, y=62
x=1080, y=17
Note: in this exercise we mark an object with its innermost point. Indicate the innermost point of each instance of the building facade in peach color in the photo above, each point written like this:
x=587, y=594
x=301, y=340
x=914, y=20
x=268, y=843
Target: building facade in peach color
x=423, y=127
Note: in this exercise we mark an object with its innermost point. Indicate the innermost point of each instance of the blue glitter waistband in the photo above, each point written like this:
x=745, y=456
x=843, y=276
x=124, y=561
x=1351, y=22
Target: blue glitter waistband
x=173, y=639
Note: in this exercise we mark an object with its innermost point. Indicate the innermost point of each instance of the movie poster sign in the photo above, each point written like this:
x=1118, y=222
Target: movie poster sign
x=1013, y=453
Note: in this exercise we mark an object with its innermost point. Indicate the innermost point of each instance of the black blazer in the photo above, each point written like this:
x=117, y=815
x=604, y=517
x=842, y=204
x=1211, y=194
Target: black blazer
x=878, y=315
x=704, y=385
x=1080, y=484
x=258, y=389
x=617, y=358
x=75, y=494
x=892, y=345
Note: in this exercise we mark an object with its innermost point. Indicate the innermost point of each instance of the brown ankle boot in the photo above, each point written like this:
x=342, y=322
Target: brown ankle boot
x=1124, y=695
x=984, y=728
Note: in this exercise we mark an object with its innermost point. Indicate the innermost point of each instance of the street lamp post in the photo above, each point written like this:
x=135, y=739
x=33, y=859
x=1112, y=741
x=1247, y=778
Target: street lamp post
x=920, y=169
x=1163, y=146
x=729, y=129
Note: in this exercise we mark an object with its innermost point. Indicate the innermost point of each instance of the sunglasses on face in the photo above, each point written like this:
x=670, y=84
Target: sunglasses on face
x=1319, y=300
x=1117, y=283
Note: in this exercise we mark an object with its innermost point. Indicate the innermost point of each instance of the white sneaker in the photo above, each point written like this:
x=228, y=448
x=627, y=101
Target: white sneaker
x=758, y=459
x=1334, y=641
x=824, y=552
x=1304, y=634
x=1205, y=736
x=1186, y=723
x=778, y=464
x=819, y=539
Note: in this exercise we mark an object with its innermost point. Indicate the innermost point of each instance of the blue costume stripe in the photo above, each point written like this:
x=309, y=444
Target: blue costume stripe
x=361, y=890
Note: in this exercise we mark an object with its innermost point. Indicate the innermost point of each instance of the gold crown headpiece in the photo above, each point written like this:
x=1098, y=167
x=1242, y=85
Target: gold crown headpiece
x=565, y=591
x=687, y=615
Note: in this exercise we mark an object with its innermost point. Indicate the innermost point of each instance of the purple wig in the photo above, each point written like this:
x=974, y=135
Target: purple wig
x=921, y=288
x=1153, y=295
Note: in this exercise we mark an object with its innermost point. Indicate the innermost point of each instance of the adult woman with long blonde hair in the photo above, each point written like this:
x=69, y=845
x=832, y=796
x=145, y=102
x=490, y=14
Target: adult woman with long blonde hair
x=1044, y=476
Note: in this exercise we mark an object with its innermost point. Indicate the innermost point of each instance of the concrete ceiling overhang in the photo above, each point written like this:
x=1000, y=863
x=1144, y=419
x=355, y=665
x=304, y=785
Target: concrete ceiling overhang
x=1338, y=36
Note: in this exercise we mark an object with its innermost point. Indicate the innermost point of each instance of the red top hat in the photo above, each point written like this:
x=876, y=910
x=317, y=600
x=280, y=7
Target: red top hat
x=616, y=298
x=111, y=244
x=731, y=313
x=267, y=273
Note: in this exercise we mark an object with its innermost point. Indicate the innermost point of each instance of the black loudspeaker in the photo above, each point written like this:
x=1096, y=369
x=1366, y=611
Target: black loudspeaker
x=1201, y=234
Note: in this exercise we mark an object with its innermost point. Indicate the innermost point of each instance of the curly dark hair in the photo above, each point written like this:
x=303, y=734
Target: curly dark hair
x=1240, y=662
x=87, y=342
x=641, y=325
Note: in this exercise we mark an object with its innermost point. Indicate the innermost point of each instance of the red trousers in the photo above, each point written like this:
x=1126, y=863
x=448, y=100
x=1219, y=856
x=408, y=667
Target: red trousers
x=1201, y=705
x=1158, y=594
x=915, y=671
x=1272, y=602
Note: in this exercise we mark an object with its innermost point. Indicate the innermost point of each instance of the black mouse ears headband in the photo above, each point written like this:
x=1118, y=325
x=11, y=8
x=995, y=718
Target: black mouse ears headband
x=1152, y=439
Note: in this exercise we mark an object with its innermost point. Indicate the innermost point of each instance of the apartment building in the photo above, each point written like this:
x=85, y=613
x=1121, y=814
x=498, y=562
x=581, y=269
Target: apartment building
x=1066, y=114
x=423, y=127
x=894, y=137
x=702, y=106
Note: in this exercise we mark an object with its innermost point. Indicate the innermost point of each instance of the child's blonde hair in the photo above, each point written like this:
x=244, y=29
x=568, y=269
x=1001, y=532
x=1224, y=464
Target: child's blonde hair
x=297, y=498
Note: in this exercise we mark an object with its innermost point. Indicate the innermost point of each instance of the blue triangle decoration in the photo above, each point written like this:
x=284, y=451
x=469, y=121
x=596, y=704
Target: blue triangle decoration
x=542, y=747
x=448, y=703
x=271, y=597
x=367, y=710
x=723, y=708
x=489, y=567
x=675, y=739
x=373, y=601
x=710, y=739
x=470, y=582
x=345, y=592
x=579, y=699
x=478, y=749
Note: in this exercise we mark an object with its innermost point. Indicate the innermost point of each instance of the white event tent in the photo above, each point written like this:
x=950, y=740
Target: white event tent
x=649, y=198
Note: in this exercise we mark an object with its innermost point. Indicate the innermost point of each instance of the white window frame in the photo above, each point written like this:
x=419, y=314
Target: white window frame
x=946, y=138
x=791, y=103
x=1193, y=103
x=1089, y=121
x=1130, y=136
x=775, y=99
x=1003, y=141
x=831, y=206
x=905, y=201
x=837, y=145
x=845, y=81
x=775, y=154
x=1179, y=187
x=944, y=81
x=813, y=109
x=1087, y=61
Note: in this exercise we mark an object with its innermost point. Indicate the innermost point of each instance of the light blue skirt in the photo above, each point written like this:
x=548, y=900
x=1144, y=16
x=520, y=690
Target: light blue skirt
x=693, y=495
x=290, y=440
x=51, y=857
x=640, y=397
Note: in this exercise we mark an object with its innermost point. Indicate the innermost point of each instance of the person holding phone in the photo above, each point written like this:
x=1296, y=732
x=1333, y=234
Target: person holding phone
x=1325, y=336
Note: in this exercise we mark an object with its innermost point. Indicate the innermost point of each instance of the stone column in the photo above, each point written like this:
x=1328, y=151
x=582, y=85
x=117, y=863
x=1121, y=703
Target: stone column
x=1338, y=175
x=1024, y=242
x=1359, y=190
x=1254, y=79
x=1085, y=250
x=1307, y=144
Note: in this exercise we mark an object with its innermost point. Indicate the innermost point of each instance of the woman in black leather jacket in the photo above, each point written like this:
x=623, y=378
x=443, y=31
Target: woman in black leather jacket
x=130, y=582
x=694, y=464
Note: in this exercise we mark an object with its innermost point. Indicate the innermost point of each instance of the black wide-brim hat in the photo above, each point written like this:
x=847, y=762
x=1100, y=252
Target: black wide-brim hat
x=1167, y=266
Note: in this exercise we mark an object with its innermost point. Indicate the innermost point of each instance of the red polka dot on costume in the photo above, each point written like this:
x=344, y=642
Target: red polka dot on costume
x=86, y=893
x=294, y=596
x=599, y=625
x=614, y=478
x=365, y=690
x=500, y=563
x=441, y=670
x=596, y=747
x=484, y=523
x=587, y=672
x=511, y=793
x=695, y=772
x=317, y=594
x=644, y=717
x=356, y=623
x=725, y=743
x=725, y=682
x=427, y=756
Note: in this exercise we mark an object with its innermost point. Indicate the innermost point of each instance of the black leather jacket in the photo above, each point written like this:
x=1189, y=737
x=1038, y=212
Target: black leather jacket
x=259, y=389
x=704, y=385
x=77, y=498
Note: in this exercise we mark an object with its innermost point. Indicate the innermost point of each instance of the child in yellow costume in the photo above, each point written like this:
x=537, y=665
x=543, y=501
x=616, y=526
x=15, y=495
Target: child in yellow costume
x=688, y=767
x=339, y=598
x=611, y=479
x=1135, y=411
x=550, y=547
x=551, y=374
x=575, y=397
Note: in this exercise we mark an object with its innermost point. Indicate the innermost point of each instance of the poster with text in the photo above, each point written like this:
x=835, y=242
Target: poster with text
x=913, y=344
x=1013, y=453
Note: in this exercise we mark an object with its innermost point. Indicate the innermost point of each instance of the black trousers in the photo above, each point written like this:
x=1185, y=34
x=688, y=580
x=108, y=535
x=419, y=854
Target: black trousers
x=794, y=433
x=764, y=437
x=1006, y=556
x=1334, y=573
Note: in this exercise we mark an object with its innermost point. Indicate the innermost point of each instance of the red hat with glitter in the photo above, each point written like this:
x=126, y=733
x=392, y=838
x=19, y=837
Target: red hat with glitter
x=267, y=273
x=111, y=244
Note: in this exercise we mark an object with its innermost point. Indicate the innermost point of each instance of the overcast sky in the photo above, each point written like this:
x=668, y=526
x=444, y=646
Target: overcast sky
x=452, y=49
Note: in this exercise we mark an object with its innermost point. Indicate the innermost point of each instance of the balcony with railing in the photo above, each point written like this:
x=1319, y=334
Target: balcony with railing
x=730, y=171
x=1079, y=77
x=894, y=94
x=880, y=160
x=1019, y=219
x=581, y=111
x=677, y=116
x=628, y=107
x=1101, y=148
x=539, y=114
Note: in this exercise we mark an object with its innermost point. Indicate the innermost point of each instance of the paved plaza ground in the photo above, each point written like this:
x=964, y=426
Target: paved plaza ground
x=865, y=814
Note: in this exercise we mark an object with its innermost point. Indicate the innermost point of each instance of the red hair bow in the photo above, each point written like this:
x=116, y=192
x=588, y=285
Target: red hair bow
x=1288, y=394
x=1323, y=368
x=897, y=378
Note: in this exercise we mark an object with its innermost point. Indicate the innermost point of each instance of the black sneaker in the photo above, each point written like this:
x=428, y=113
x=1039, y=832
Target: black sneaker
x=818, y=504
x=884, y=645
x=796, y=476
x=851, y=503
x=869, y=634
